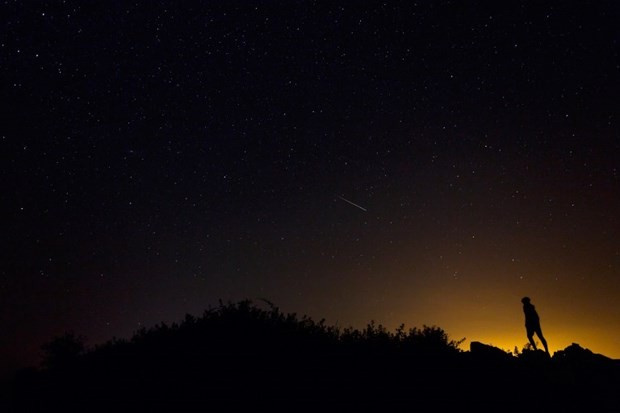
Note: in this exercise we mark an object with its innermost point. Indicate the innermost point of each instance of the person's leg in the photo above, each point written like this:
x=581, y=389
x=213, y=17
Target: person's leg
x=542, y=339
x=530, y=336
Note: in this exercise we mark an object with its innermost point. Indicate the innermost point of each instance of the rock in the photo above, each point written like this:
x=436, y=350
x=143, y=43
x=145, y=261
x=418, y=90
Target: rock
x=488, y=352
x=575, y=354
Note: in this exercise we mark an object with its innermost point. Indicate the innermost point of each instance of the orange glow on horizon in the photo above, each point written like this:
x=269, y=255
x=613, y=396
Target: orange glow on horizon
x=487, y=309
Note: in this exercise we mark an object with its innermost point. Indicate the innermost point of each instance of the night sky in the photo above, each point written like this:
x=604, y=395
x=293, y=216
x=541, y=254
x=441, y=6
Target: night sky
x=419, y=163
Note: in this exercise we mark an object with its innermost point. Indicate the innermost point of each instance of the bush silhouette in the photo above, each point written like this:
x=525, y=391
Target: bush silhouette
x=238, y=356
x=63, y=351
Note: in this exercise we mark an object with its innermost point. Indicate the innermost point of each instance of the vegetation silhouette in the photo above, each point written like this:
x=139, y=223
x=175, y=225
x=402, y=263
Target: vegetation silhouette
x=239, y=356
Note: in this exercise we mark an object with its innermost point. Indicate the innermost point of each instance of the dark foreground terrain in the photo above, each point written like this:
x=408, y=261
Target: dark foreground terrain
x=238, y=357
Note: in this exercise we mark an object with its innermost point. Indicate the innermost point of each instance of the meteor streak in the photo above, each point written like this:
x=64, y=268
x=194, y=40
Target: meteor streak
x=352, y=203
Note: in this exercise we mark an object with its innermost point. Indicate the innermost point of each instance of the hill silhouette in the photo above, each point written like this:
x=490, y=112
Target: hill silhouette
x=240, y=357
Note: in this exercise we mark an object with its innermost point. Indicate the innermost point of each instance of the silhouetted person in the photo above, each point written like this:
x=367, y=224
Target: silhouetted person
x=532, y=323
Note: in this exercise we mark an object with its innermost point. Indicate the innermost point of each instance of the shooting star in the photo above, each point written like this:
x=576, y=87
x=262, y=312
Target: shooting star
x=352, y=203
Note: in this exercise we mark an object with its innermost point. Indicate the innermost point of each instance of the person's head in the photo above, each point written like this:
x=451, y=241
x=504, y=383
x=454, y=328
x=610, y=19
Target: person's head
x=525, y=300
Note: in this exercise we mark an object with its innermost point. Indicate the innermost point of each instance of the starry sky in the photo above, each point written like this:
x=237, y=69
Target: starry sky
x=425, y=162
